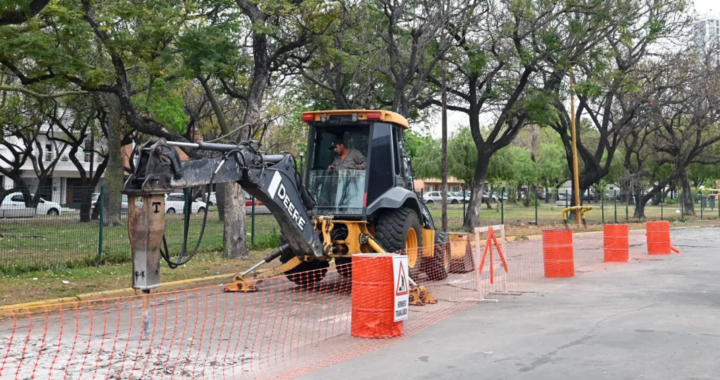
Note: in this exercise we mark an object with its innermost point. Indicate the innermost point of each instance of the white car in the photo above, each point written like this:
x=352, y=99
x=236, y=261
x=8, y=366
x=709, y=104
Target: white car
x=16, y=201
x=175, y=203
x=212, y=200
x=436, y=197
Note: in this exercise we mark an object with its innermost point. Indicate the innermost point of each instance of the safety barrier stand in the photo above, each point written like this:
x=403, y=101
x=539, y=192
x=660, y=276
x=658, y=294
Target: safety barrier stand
x=490, y=241
x=558, y=256
x=616, y=243
x=658, y=238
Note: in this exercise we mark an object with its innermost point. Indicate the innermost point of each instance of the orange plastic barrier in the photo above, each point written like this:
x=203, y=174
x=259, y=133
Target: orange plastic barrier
x=658, y=238
x=617, y=248
x=373, y=297
x=558, y=253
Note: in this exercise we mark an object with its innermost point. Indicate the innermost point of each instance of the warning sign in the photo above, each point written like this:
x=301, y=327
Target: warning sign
x=402, y=287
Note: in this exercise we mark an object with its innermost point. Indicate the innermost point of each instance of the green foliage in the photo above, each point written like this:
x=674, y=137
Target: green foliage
x=462, y=156
x=552, y=167
x=425, y=155
x=167, y=107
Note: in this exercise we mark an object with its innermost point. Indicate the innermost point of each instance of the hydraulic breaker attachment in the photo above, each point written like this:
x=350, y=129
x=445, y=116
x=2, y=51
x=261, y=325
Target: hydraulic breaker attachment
x=419, y=296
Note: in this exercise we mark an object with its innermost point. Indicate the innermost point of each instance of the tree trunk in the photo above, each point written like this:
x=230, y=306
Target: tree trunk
x=687, y=197
x=472, y=218
x=114, y=174
x=526, y=201
x=234, y=227
x=640, y=203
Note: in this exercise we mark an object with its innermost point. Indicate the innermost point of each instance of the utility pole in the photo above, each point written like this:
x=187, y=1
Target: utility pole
x=444, y=144
x=576, y=174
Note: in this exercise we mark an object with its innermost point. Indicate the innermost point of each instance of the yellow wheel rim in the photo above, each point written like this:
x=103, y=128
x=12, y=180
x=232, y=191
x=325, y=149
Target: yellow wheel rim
x=411, y=245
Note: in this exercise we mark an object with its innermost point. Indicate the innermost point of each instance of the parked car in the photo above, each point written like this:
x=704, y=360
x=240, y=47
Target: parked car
x=459, y=195
x=16, y=201
x=249, y=200
x=436, y=197
x=175, y=203
x=212, y=201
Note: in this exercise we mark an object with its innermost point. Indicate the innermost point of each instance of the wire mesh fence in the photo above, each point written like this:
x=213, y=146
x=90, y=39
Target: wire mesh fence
x=607, y=208
x=287, y=328
x=58, y=231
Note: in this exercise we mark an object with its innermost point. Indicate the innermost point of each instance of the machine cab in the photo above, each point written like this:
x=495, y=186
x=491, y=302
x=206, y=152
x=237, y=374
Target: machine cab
x=374, y=160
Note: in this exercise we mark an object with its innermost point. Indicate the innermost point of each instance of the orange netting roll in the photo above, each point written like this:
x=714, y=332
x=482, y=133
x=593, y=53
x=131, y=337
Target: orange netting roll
x=373, y=308
x=558, y=253
x=658, y=238
x=617, y=248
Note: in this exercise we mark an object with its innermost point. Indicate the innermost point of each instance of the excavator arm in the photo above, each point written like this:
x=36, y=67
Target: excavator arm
x=158, y=170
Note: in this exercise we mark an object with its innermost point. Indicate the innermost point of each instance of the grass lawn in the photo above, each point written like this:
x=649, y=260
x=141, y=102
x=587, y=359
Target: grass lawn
x=47, y=284
x=64, y=241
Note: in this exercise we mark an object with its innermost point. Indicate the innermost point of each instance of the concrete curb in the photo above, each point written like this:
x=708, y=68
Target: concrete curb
x=57, y=303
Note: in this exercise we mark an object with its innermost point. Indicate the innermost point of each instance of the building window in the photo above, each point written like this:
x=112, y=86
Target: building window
x=48, y=152
x=88, y=148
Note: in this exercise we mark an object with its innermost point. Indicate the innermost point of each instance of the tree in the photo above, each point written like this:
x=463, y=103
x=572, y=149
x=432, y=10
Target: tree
x=462, y=156
x=424, y=152
x=497, y=59
x=551, y=170
x=18, y=11
x=682, y=122
x=77, y=124
x=606, y=89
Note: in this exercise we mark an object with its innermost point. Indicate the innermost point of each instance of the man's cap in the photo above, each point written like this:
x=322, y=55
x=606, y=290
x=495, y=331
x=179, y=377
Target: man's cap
x=335, y=143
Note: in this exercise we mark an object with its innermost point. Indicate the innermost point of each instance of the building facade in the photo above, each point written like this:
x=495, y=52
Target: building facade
x=435, y=184
x=706, y=31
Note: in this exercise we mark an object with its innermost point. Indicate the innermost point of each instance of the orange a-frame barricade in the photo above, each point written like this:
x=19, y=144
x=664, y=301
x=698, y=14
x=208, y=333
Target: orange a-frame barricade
x=489, y=243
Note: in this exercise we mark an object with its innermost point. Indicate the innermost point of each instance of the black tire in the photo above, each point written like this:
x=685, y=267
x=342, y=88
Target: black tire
x=201, y=210
x=454, y=201
x=170, y=211
x=436, y=267
x=392, y=230
x=307, y=273
x=53, y=211
x=429, y=202
x=344, y=266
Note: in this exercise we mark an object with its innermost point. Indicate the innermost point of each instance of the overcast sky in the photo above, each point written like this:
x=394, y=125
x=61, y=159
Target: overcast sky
x=455, y=119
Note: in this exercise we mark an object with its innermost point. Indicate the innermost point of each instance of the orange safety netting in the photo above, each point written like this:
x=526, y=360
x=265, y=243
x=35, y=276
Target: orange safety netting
x=282, y=331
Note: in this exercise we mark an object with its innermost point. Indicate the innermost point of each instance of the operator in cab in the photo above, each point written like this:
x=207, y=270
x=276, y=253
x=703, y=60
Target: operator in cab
x=346, y=158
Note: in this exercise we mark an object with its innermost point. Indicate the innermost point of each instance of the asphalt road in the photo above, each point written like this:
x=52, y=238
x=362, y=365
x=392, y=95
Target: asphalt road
x=647, y=320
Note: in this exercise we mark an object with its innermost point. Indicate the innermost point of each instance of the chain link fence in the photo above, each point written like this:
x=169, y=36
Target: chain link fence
x=54, y=233
x=607, y=207
x=58, y=232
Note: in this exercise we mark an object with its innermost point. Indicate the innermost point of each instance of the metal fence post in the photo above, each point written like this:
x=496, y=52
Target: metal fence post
x=567, y=199
x=463, y=202
x=252, y=223
x=616, y=221
x=602, y=206
x=627, y=208
x=502, y=206
x=662, y=200
x=101, y=220
x=536, y=207
x=702, y=204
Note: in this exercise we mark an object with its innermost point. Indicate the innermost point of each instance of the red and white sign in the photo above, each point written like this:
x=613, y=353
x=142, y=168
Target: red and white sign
x=402, y=287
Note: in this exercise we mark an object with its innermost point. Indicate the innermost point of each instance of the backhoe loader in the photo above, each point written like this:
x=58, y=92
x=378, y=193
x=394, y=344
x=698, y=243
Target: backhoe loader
x=335, y=210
